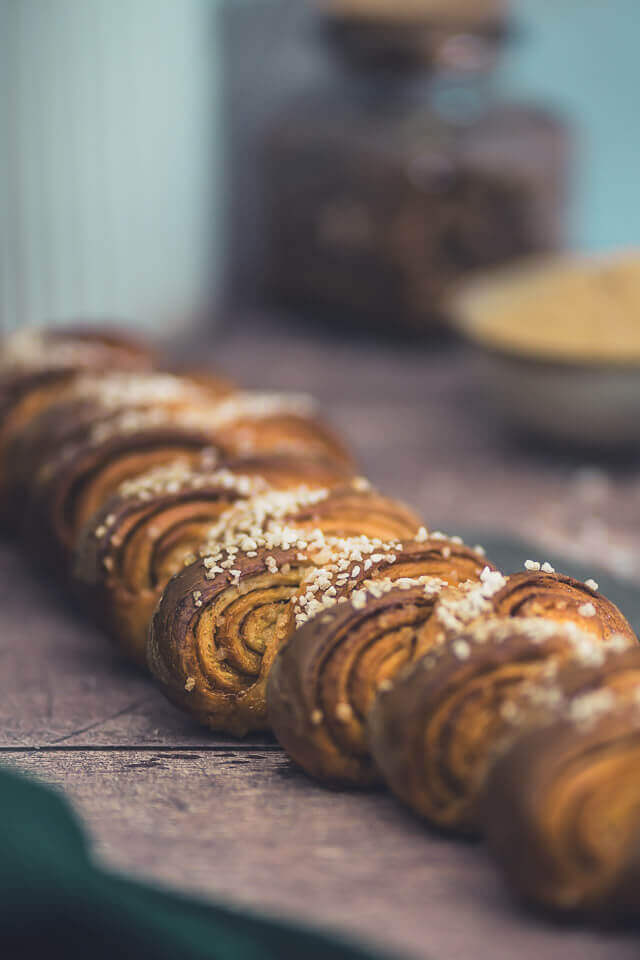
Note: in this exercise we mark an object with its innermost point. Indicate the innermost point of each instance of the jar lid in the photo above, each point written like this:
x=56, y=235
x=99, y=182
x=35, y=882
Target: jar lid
x=424, y=40
x=464, y=12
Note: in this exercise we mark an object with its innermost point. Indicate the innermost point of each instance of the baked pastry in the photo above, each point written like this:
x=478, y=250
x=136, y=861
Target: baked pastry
x=72, y=486
x=335, y=662
x=427, y=554
x=221, y=620
x=142, y=535
x=38, y=366
x=538, y=592
x=561, y=807
x=70, y=409
x=250, y=423
x=240, y=597
x=73, y=347
x=256, y=565
x=433, y=733
x=325, y=679
x=285, y=471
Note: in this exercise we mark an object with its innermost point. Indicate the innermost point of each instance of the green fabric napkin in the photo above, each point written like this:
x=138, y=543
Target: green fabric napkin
x=55, y=902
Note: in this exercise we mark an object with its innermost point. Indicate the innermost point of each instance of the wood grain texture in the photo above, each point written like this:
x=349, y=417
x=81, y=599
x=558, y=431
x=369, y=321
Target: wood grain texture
x=248, y=827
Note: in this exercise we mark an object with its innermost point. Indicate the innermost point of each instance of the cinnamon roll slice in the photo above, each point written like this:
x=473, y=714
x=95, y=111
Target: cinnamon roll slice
x=142, y=535
x=299, y=564
x=432, y=735
x=38, y=366
x=220, y=622
x=343, y=652
x=325, y=679
x=71, y=487
x=561, y=807
x=70, y=410
x=140, y=538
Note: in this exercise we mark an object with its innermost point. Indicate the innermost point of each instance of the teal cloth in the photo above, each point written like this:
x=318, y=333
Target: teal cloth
x=55, y=902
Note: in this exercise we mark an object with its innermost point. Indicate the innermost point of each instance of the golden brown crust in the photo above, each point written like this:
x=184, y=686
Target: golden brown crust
x=74, y=483
x=550, y=595
x=425, y=555
x=71, y=488
x=213, y=638
x=83, y=404
x=433, y=734
x=341, y=645
x=324, y=681
x=140, y=538
x=284, y=434
x=22, y=400
x=287, y=470
x=561, y=808
x=143, y=536
x=618, y=671
x=38, y=367
x=73, y=348
x=255, y=565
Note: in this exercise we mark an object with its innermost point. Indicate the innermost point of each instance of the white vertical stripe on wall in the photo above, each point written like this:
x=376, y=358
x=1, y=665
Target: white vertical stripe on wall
x=108, y=162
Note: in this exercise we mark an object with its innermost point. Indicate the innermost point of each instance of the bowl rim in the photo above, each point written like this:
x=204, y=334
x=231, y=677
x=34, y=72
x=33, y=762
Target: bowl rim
x=586, y=364
x=467, y=326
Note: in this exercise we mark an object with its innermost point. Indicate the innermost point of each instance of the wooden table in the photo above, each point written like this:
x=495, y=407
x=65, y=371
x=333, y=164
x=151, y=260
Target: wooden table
x=169, y=802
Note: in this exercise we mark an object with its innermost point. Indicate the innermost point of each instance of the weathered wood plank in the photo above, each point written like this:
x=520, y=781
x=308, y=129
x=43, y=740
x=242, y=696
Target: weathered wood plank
x=61, y=683
x=249, y=828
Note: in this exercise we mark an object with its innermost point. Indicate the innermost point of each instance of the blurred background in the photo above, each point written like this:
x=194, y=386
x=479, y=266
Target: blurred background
x=316, y=194
x=126, y=123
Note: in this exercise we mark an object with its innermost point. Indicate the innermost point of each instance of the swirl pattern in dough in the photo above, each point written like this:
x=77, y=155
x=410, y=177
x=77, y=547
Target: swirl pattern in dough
x=433, y=734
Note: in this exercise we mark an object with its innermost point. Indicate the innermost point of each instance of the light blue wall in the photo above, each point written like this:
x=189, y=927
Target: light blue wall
x=159, y=245
x=110, y=152
x=584, y=56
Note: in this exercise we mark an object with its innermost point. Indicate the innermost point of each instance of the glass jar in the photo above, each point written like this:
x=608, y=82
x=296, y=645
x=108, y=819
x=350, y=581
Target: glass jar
x=405, y=174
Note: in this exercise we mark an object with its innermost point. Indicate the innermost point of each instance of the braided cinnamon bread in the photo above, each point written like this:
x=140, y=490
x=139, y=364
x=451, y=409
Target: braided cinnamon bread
x=71, y=487
x=561, y=806
x=233, y=607
x=325, y=680
x=38, y=366
x=143, y=534
x=221, y=620
x=433, y=733
x=70, y=412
